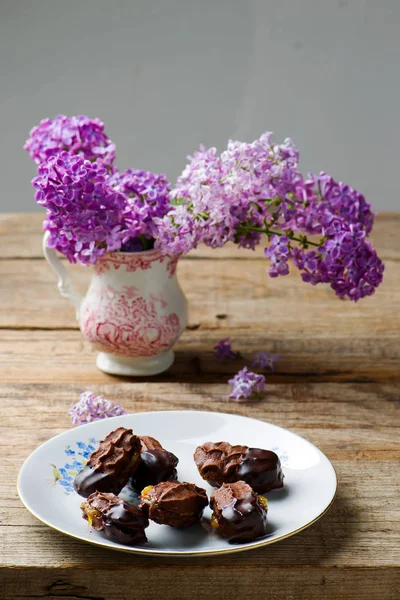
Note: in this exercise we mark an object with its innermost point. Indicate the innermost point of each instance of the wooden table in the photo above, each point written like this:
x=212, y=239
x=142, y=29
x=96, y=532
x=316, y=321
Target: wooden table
x=336, y=384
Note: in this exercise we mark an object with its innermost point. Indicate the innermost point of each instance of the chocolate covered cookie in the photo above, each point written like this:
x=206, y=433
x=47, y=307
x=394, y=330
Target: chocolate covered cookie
x=156, y=465
x=220, y=463
x=110, y=466
x=239, y=514
x=120, y=522
x=173, y=503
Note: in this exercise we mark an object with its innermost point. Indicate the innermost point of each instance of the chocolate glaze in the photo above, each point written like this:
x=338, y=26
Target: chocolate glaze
x=238, y=512
x=261, y=469
x=89, y=481
x=174, y=504
x=155, y=466
x=220, y=463
x=120, y=522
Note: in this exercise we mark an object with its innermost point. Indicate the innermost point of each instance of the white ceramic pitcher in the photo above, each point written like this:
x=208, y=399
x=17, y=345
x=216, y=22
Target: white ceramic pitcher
x=133, y=312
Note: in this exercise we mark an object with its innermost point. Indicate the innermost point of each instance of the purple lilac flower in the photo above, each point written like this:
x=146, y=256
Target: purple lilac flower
x=346, y=261
x=147, y=199
x=278, y=253
x=92, y=408
x=263, y=360
x=84, y=213
x=246, y=385
x=256, y=188
x=75, y=135
x=344, y=201
x=224, y=350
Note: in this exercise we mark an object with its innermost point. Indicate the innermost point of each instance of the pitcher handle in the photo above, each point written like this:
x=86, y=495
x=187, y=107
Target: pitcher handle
x=65, y=285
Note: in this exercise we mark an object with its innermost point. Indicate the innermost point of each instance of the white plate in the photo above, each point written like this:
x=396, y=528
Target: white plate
x=46, y=477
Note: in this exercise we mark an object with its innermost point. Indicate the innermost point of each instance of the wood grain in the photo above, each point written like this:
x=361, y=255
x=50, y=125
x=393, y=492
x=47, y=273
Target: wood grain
x=224, y=583
x=224, y=293
x=361, y=529
x=22, y=234
x=337, y=384
x=54, y=355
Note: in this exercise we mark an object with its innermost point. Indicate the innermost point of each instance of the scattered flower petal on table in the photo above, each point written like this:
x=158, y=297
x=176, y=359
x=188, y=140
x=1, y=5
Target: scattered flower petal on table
x=92, y=408
x=246, y=385
x=262, y=360
x=224, y=350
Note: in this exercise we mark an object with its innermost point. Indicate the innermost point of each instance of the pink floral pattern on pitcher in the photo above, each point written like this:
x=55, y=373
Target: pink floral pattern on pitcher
x=127, y=324
x=135, y=262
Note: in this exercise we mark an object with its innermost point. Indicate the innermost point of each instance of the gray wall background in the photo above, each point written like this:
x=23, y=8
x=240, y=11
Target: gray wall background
x=166, y=75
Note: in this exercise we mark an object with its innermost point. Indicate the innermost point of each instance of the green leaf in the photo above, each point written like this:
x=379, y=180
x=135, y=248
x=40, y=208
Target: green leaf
x=178, y=201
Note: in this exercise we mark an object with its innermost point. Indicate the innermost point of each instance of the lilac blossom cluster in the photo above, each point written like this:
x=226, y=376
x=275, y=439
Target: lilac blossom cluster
x=84, y=213
x=91, y=207
x=256, y=189
x=147, y=199
x=92, y=408
x=75, y=135
x=247, y=192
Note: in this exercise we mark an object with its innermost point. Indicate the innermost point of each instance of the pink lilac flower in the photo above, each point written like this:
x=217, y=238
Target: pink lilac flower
x=75, y=135
x=246, y=385
x=255, y=189
x=84, y=213
x=225, y=198
x=92, y=408
x=147, y=199
x=262, y=360
x=224, y=350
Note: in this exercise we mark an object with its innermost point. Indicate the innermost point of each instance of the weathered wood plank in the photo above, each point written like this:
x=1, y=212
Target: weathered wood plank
x=21, y=237
x=261, y=581
x=328, y=410
x=45, y=356
x=224, y=293
x=357, y=426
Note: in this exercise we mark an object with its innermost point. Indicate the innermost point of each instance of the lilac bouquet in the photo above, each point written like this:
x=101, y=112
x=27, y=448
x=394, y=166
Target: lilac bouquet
x=249, y=194
x=252, y=192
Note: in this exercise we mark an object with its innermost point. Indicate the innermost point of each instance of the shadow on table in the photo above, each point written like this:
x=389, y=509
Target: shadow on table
x=203, y=367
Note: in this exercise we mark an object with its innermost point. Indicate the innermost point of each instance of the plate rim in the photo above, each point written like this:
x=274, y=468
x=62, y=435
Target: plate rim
x=167, y=553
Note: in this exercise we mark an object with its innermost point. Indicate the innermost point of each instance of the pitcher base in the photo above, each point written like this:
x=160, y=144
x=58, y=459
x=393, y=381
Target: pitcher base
x=139, y=366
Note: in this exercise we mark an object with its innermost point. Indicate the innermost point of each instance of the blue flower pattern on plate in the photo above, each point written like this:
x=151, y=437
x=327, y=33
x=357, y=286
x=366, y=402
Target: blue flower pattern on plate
x=77, y=459
x=283, y=455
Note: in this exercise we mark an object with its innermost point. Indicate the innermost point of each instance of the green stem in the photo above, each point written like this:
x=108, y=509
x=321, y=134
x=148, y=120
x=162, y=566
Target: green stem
x=304, y=241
